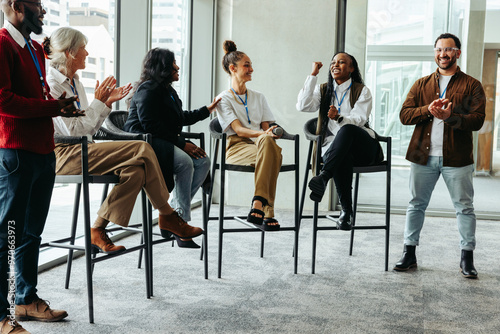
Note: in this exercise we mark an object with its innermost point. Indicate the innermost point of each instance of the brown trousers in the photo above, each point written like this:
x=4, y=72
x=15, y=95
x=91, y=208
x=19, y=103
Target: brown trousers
x=263, y=154
x=134, y=162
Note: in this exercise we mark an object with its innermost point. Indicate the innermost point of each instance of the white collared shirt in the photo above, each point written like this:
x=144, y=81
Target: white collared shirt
x=309, y=100
x=95, y=113
x=16, y=35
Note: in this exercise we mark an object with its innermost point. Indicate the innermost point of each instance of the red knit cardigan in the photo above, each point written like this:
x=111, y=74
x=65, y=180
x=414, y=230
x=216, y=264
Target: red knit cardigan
x=25, y=116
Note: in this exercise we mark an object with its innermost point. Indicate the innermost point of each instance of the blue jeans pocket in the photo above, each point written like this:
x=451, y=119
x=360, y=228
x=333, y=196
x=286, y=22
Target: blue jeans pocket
x=9, y=161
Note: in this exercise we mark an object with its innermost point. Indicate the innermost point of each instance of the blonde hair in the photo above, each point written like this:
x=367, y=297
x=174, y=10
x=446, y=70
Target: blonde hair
x=63, y=40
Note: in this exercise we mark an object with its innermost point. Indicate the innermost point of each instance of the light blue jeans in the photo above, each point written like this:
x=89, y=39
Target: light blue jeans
x=189, y=174
x=459, y=183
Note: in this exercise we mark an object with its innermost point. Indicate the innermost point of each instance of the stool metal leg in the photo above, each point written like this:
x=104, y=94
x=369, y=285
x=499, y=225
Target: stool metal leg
x=315, y=235
x=355, y=209
x=88, y=252
x=204, y=245
x=76, y=206
x=221, y=226
x=262, y=236
x=296, y=219
x=304, y=185
x=387, y=212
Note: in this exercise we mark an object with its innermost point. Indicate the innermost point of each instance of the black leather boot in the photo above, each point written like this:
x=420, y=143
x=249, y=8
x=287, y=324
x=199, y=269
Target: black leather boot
x=318, y=186
x=344, y=222
x=467, y=264
x=408, y=260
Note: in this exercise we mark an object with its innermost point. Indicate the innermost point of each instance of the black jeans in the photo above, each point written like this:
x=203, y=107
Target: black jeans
x=351, y=147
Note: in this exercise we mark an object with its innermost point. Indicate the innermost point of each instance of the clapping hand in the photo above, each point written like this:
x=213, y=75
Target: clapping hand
x=118, y=93
x=104, y=90
x=440, y=108
x=68, y=108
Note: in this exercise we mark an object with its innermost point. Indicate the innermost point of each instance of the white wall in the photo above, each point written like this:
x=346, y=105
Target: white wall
x=282, y=38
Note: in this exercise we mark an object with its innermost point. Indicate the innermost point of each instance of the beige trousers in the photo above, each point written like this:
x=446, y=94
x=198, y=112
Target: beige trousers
x=134, y=162
x=263, y=154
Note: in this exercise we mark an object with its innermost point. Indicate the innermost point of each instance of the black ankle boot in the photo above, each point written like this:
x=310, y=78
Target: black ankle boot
x=408, y=260
x=344, y=221
x=318, y=186
x=467, y=264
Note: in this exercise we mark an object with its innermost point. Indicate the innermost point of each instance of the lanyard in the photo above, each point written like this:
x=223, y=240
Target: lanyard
x=342, y=100
x=38, y=68
x=444, y=91
x=244, y=103
x=75, y=93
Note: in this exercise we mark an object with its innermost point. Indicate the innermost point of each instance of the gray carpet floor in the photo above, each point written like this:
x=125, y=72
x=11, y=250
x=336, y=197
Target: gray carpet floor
x=348, y=294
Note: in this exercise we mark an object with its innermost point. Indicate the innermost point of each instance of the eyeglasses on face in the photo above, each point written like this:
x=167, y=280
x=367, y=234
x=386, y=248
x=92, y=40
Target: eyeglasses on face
x=446, y=50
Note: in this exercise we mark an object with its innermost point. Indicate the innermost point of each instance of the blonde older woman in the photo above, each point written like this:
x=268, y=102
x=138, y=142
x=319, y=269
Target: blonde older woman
x=134, y=161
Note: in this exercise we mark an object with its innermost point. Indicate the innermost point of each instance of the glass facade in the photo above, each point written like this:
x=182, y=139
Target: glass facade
x=400, y=38
x=93, y=19
x=170, y=30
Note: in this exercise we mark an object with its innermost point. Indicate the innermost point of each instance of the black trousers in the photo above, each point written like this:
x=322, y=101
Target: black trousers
x=351, y=147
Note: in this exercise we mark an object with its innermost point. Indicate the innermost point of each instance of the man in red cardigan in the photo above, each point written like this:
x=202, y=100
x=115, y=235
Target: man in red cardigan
x=27, y=163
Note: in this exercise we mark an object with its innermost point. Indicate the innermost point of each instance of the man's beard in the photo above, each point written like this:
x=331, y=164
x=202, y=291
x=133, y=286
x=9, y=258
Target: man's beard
x=450, y=64
x=31, y=21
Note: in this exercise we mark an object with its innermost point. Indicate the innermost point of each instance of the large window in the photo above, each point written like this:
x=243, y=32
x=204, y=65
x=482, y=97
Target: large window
x=95, y=19
x=399, y=40
x=170, y=31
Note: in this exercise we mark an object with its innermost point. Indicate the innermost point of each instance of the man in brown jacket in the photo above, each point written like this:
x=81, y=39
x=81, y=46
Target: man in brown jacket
x=445, y=108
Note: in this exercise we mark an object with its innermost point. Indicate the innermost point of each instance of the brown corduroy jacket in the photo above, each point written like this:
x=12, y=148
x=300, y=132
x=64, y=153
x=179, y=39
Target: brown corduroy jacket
x=467, y=115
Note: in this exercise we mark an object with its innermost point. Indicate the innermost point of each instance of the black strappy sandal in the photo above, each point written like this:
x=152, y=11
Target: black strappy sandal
x=254, y=219
x=271, y=224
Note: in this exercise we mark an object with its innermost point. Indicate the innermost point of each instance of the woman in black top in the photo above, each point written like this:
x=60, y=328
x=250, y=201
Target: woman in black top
x=156, y=109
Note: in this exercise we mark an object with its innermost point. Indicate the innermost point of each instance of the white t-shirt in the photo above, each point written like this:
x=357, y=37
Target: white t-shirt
x=437, y=131
x=95, y=114
x=231, y=108
x=309, y=100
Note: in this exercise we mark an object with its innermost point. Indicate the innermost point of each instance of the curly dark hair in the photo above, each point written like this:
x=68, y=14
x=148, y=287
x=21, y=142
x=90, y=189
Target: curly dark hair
x=448, y=35
x=355, y=76
x=158, y=65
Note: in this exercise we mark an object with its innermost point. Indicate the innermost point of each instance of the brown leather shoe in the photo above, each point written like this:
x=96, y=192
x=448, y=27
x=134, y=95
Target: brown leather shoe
x=39, y=310
x=8, y=326
x=175, y=224
x=100, y=240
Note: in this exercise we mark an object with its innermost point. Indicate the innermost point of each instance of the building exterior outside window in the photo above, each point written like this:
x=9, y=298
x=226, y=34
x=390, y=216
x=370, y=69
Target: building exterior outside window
x=170, y=31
